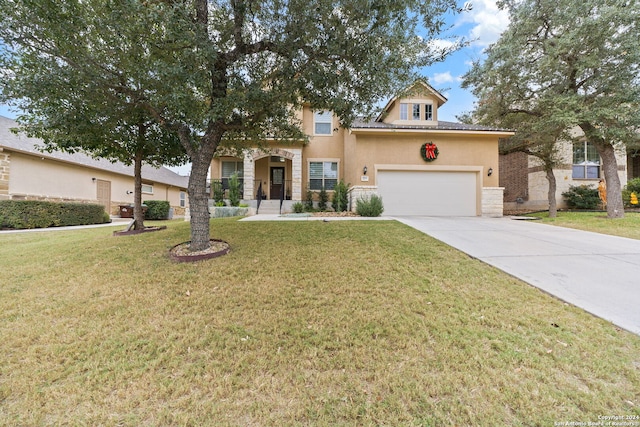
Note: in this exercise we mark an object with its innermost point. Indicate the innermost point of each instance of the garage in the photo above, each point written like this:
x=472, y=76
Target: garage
x=429, y=193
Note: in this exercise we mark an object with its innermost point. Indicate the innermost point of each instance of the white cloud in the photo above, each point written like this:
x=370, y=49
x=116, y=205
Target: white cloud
x=439, y=78
x=487, y=21
x=441, y=44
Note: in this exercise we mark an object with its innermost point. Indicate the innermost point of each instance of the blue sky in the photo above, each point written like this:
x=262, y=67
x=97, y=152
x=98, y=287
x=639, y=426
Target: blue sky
x=483, y=24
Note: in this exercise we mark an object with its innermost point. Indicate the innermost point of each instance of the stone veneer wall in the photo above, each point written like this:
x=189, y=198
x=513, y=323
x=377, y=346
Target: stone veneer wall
x=492, y=201
x=5, y=163
x=358, y=191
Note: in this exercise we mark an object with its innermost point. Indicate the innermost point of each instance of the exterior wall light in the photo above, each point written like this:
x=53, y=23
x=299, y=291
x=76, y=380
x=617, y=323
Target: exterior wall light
x=490, y=172
x=364, y=170
x=93, y=179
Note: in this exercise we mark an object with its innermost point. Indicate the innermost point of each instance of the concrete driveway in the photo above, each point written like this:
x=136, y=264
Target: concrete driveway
x=596, y=272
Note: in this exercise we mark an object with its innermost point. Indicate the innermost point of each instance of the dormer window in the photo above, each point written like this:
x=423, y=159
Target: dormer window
x=428, y=112
x=416, y=112
x=404, y=111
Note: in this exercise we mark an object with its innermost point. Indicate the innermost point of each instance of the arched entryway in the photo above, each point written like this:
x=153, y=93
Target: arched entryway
x=274, y=173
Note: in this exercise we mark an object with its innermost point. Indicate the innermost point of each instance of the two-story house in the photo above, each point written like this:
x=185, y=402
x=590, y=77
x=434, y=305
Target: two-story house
x=418, y=164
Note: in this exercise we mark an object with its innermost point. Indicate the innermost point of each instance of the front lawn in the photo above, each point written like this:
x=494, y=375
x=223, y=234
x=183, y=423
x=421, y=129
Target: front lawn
x=351, y=323
x=629, y=226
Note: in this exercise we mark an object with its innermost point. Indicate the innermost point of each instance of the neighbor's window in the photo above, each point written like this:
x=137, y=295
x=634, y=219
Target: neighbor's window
x=147, y=188
x=586, y=161
x=322, y=123
x=428, y=112
x=404, y=111
x=416, y=112
x=183, y=199
x=323, y=174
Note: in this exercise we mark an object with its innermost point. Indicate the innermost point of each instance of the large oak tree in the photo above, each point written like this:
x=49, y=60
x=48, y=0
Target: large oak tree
x=229, y=73
x=563, y=64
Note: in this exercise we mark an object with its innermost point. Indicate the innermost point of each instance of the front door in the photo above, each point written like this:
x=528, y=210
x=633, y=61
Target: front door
x=104, y=194
x=277, y=182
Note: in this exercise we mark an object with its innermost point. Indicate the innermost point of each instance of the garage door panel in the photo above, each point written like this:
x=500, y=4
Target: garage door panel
x=428, y=193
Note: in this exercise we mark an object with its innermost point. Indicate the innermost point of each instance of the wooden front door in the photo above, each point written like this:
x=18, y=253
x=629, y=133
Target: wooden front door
x=277, y=182
x=104, y=194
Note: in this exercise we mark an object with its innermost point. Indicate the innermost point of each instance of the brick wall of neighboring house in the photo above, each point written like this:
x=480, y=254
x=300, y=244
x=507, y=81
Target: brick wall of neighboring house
x=5, y=162
x=514, y=176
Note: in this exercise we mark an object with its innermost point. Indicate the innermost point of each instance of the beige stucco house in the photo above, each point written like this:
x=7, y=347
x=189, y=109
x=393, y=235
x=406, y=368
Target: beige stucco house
x=390, y=156
x=29, y=174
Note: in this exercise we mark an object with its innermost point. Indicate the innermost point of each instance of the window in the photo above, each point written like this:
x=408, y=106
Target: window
x=404, y=111
x=416, y=112
x=183, y=199
x=428, y=112
x=586, y=161
x=147, y=188
x=323, y=174
x=228, y=169
x=323, y=123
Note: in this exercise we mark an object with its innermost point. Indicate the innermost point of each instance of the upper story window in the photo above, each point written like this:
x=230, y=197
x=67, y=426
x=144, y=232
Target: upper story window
x=322, y=123
x=586, y=161
x=416, y=112
x=428, y=112
x=404, y=111
x=147, y=188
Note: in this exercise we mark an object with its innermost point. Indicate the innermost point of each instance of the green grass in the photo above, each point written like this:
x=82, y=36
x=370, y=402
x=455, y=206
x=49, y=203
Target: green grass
x=629, y=226
x=303, y=323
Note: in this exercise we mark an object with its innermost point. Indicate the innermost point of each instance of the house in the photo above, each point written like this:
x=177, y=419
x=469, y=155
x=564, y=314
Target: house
x=525, y=183
x=418, y=164
x=29, y=174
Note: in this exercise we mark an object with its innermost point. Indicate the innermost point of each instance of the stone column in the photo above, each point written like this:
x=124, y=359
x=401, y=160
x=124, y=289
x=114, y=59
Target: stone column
x=296, y=174
x=249, y=175
x=5, y=162
x=492, y=202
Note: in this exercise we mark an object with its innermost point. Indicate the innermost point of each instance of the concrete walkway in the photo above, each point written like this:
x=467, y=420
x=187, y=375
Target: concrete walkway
x=122, y=222
x=596, y=272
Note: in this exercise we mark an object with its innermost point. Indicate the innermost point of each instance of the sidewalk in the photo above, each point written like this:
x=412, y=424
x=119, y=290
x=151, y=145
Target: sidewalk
x=122, y=222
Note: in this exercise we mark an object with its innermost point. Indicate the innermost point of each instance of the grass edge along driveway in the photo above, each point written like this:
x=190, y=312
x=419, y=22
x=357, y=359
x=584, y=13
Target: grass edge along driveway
x=339, y=323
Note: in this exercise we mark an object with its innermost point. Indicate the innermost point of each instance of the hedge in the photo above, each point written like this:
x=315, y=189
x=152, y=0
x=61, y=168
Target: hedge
x=20, y=214
x=157, y=209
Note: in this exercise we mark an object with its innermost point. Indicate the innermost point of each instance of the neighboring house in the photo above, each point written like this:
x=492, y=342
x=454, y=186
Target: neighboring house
x=385, y=156
x=29, y=174
x=526, y=186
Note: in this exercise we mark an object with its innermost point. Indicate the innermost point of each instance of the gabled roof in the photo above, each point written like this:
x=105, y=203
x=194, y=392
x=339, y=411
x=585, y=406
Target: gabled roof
x=420, y=83
x=23, y=144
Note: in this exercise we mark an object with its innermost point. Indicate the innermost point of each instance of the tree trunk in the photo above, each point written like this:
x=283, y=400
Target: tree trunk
x=138, y=213
x=615, y=207
x=198, y=195
x=553, y=205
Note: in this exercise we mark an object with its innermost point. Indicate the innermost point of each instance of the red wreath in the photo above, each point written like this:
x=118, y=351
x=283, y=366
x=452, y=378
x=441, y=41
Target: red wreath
x=429, y=151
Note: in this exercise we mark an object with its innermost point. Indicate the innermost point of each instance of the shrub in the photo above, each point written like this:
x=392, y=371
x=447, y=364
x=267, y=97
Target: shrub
x=218, y=193
x=633, y=186
x=157, y=209
x=323, y=198
x=234, y=190
x=340, y=197
x=22, y=214
x=582, y=197
x=308, y=202
x=298, y=207
x=371, y=206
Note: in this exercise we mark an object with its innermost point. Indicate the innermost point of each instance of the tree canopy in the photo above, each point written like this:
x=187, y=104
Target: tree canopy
x=563, y=65
x=226, y=73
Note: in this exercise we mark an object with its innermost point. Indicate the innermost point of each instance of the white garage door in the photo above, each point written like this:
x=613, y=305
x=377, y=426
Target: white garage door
x=428, y=193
